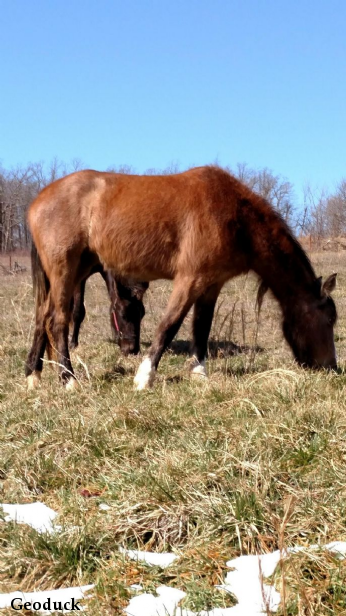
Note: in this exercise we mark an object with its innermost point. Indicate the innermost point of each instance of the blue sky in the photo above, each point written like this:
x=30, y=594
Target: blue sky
x=149, y=83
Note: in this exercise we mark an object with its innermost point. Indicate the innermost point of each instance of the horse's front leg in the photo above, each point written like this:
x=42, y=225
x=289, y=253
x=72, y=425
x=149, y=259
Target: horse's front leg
x=184, y=294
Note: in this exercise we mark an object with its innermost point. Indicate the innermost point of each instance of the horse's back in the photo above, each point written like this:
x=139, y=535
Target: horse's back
x=143, y=227
x=151, y=226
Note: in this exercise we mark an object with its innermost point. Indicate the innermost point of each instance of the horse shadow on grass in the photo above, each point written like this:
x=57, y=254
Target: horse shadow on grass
x=217, y=349
x=116, y=373
x=222, y=349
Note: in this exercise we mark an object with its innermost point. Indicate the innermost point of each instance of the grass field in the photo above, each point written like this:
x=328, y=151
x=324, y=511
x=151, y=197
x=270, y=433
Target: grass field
x=251, y=460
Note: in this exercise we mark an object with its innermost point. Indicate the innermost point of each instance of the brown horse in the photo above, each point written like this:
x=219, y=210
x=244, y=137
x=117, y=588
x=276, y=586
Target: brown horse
x=126, y=310
x=198, y=228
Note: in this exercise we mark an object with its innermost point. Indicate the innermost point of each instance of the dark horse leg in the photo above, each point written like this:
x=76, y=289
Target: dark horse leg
x=62, y=288
x=112, y=288
x=202, y=320
x=126, y=310
x=53, y=316
x=78, y=313
x=34, y=362
x=185, y=293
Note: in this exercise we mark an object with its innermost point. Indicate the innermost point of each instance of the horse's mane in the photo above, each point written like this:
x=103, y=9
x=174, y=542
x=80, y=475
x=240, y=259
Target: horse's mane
x=298, y=252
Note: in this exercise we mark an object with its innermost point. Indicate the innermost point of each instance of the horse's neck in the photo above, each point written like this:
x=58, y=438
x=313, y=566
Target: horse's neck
x=281, y=263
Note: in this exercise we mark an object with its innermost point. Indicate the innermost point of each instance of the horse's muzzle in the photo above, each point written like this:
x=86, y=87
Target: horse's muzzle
x=129, y=346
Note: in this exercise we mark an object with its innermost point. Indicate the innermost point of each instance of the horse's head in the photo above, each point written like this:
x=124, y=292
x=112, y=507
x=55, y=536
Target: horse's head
x=308, y=327
x=127, y=313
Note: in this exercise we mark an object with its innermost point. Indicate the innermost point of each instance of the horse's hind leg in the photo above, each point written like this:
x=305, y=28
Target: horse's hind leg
x=202, y=320
x=78, y=313
x=184, y=294
x=34, y=362
x=61, y=293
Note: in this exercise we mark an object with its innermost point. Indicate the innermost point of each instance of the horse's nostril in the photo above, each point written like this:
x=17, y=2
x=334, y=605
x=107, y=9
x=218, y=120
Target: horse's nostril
x=127, y=347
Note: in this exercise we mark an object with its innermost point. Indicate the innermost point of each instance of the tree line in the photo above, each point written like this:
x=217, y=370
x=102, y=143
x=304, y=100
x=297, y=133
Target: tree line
x=321, y=216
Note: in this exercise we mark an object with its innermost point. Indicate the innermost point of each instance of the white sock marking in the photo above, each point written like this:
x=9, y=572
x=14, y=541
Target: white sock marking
x=33, y=380
x=71, y=384
x=145, y=375
x=198, y=368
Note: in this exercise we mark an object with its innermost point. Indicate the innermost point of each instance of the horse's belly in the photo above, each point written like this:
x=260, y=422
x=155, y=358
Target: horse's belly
x=137, y=257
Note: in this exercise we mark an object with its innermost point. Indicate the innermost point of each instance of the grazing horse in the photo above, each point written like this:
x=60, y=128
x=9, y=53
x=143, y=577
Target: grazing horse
x=198, y=228
x=126, y=310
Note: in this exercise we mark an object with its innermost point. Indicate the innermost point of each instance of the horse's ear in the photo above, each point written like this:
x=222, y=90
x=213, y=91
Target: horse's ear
x=318, y=285
x=262, y=290
x=329, y=285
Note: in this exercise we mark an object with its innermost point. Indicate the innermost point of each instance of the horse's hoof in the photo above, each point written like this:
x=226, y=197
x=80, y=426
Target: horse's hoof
x=33, y=380
x=197, y=369
x=71, y=384
x=145, y=375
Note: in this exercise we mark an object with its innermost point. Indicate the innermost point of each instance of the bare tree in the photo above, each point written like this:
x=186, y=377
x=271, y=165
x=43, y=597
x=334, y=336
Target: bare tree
x=170, y=169
x=276, y=189
x=315, y=202
x=121, y=169
x=335, y=211
x=18, y=188
x=16, y=195
x=326, y=213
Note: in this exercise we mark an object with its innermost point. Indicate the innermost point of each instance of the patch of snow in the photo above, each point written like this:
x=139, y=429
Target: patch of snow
x=37, y=515
x=245, y=581
x=338, y=548
x=155, y=559
x=136, y=587
x=104, y=507
x=164, y=605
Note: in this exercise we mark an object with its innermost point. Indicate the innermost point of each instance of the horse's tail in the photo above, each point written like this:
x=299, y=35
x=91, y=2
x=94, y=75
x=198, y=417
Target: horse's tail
x=41, y=287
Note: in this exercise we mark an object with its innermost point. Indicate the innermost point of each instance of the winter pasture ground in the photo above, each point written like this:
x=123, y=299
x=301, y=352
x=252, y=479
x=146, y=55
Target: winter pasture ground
x=251, y=460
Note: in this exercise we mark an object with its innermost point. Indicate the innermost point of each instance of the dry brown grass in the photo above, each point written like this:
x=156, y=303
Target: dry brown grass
x=204, y=469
